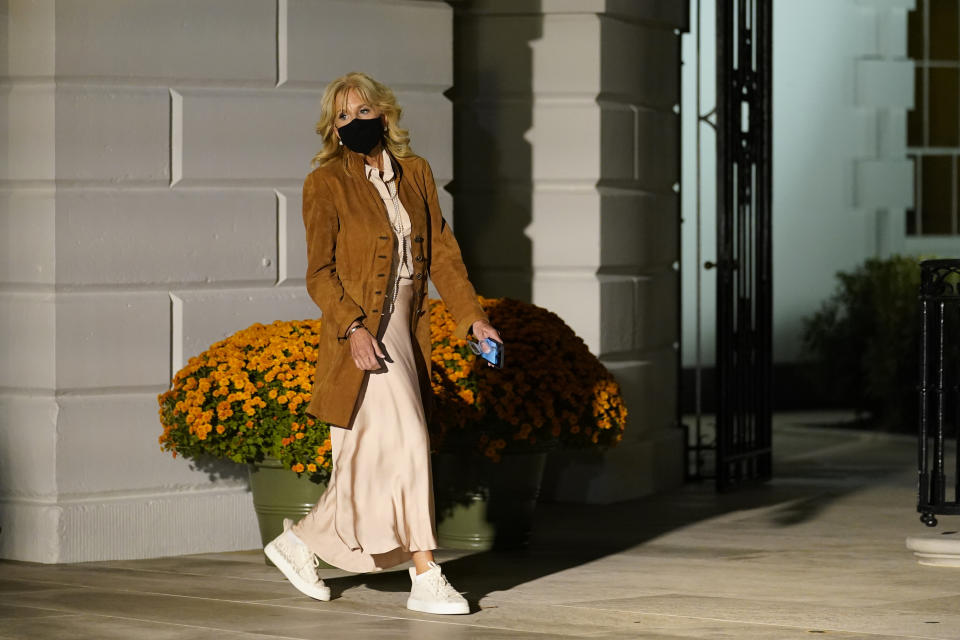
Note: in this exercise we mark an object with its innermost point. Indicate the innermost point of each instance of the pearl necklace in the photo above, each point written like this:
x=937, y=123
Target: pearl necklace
x=397, y=223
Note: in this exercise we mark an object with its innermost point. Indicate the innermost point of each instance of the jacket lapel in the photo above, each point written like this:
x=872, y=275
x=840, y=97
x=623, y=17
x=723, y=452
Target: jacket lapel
x=412, y=201
x=411, y=198
x=370, y=198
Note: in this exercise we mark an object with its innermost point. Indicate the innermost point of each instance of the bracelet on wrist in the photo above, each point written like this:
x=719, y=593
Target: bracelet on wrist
x=354, y=328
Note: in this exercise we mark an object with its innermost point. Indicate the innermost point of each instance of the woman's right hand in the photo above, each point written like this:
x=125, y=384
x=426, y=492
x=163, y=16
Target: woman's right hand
x=365, y=350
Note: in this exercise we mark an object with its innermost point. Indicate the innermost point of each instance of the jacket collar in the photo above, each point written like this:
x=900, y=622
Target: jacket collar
x=387, y=167
x=355, y=165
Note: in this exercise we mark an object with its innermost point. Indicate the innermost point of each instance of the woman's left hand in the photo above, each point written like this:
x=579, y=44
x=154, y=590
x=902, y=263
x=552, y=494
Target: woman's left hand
x=482, y=330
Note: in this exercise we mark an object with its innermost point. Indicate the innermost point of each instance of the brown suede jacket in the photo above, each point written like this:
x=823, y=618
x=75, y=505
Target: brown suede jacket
x=350, y=251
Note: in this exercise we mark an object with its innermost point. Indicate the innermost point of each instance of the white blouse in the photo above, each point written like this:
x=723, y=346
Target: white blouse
x=387, y=188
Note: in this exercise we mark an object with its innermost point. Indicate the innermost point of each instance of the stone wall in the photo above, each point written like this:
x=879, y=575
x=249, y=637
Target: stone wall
x=149, y=206
x=567, y=163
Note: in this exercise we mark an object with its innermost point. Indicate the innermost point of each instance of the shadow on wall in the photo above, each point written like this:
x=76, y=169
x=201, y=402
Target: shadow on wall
x=493, y=162
x=218, y=469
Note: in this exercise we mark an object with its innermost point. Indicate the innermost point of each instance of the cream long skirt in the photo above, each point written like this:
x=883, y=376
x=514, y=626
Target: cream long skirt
x=378, y=506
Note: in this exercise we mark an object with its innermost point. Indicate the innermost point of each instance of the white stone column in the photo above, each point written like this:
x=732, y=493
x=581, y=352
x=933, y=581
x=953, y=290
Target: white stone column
x=567, y=170
x=29, y=516
x=150, y=205
x=884, y=77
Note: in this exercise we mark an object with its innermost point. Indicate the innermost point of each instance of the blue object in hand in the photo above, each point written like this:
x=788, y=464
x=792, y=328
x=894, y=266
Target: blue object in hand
x=494, y=356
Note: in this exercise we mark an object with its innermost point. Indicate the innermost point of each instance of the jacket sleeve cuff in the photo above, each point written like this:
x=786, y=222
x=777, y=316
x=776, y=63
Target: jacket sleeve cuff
x=463, y=327
x=343, y=325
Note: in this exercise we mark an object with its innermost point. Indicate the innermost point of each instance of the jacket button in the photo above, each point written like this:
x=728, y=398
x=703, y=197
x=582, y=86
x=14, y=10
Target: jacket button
x=383, y=237
x=376, y=311
x=382, y=257
x=380, y=275
x=419, y=258
x=376, y=293
x=419, y=276
x=418, y=239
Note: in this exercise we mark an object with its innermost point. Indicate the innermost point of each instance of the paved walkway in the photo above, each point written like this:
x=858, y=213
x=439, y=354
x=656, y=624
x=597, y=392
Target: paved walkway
x=818, y=552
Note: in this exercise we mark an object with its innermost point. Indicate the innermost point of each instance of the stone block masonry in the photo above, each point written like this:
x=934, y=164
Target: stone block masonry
x=150, y=205
x=567, y=172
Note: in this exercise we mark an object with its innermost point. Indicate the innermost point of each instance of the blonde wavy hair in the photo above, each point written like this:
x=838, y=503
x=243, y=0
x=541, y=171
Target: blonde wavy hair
x=374, y=94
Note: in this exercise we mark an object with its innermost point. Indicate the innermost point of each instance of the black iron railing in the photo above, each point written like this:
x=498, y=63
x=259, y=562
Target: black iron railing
x=744, y=244
x=939, y=389
x=742, y=119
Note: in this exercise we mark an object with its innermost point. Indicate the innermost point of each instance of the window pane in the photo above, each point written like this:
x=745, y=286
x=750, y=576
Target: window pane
x=937, y=194
x=944, y=112
x=943, y=30
x=915, y=116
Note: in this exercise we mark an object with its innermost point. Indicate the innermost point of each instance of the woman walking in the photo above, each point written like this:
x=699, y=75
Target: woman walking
x=374, y=234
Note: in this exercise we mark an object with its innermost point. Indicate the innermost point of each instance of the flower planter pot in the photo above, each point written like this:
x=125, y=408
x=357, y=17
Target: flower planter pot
x=483, y=505
x=277, y=494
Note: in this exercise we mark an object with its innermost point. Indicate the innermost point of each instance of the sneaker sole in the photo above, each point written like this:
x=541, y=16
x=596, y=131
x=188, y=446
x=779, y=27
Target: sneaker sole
x=317, y=593
x=441, y=608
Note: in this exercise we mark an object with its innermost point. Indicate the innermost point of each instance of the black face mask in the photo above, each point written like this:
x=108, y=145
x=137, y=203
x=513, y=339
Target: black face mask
x=361, y=135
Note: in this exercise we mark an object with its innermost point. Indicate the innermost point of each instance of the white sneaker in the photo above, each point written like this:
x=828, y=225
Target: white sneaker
x=292, y=556
x=431, y=593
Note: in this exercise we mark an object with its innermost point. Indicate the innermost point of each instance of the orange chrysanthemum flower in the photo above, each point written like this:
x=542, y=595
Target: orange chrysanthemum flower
x=549, y=389
x=245, y=397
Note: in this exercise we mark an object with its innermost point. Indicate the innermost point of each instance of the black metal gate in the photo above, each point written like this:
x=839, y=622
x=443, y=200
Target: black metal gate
x=744, y=267
x=939, y=389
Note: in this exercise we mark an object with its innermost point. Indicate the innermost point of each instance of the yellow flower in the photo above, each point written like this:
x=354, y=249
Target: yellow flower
x=555, y=390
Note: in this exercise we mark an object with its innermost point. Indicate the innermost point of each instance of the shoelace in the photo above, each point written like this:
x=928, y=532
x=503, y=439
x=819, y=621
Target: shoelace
x=299, y=558
x=439, y=586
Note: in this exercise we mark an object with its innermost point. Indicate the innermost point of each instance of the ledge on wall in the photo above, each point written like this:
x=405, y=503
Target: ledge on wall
x=129, y=527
